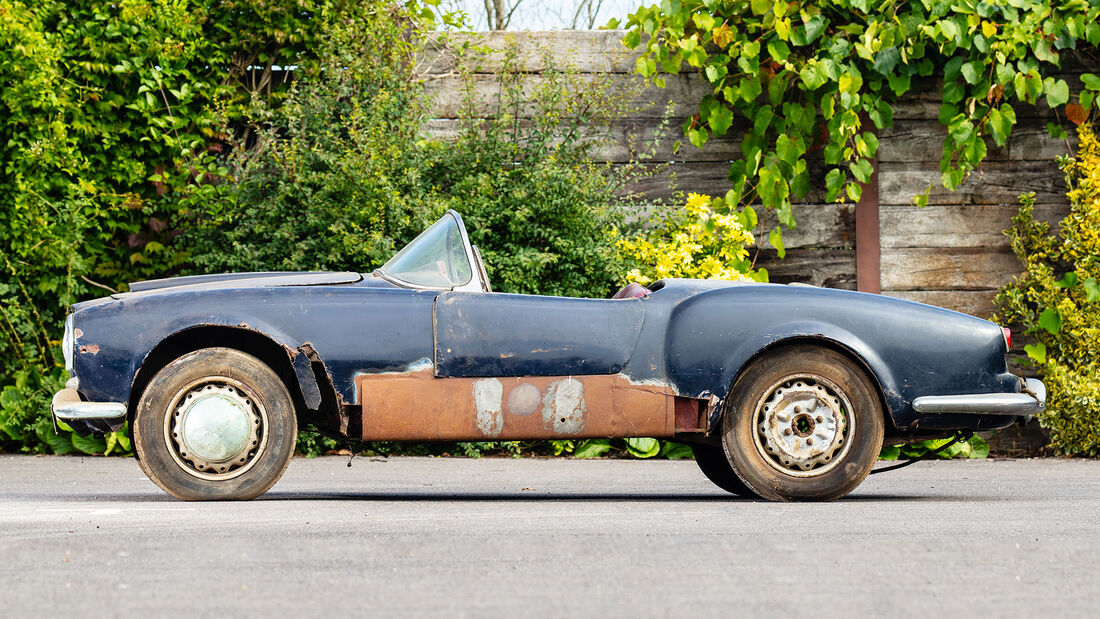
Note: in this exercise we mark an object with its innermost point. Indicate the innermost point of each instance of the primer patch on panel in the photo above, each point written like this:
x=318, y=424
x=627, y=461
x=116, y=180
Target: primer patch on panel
x=488, y=399
x=524, y=399
x=563, y=408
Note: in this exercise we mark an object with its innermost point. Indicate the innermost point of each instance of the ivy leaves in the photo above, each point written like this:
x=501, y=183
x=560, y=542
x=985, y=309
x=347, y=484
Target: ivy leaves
x=796, y=77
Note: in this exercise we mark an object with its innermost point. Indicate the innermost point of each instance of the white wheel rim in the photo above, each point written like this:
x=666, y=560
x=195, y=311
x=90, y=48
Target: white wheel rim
x=215, y=429
x=802, y=425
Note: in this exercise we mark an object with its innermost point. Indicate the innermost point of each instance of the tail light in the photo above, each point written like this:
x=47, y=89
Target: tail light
x=1005, y=331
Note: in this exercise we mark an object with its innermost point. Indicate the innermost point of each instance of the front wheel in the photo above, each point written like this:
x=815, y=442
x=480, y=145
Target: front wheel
x=215, y=424
x=803, y=423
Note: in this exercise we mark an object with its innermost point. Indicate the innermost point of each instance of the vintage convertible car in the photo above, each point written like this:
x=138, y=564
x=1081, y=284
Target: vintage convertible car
x=785, y=392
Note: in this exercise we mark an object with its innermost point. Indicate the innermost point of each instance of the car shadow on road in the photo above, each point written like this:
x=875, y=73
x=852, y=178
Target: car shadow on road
x=443, y=496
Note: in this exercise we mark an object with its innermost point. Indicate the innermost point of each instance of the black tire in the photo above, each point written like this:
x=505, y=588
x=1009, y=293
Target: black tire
x=715, y=465
x=784, y=401
x=248, y=457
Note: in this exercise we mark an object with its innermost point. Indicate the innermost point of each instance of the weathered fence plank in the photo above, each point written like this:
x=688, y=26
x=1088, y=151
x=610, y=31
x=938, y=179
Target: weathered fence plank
x=955, y=268
x=954, y=225
x=976, y=302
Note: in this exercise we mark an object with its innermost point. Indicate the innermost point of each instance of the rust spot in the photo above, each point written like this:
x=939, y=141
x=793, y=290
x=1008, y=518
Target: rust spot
x=90, y=349
x=419, y=406
x=77, y=334
x=690, y=414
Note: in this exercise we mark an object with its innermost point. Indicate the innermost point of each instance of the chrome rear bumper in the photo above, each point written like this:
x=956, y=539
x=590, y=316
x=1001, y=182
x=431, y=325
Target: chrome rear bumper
x=1029, y=401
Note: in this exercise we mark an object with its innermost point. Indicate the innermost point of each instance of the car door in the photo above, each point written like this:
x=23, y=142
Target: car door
x=528, y=335
x=509, y=367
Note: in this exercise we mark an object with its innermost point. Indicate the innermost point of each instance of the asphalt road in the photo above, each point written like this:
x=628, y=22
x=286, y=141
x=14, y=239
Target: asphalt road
x=503, y=537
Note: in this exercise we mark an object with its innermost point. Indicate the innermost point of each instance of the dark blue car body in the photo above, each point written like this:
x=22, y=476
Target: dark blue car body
x=784, y=392
x=323, y=330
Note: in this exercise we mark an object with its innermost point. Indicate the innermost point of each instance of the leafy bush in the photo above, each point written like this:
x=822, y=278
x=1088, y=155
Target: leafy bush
x=1057, y=301
x=343, y=177
x=694, y=241
x=791, y=77
x=974, y=447
x=103, y=108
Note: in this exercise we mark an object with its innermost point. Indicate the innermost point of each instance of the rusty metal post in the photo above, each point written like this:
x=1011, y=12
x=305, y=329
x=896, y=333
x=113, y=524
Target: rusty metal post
x=868, y=251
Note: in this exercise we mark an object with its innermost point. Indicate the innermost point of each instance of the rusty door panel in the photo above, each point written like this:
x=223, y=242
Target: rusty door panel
x=523, y=335
x=420, y=406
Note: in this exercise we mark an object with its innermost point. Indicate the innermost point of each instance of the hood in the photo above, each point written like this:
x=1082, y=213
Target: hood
x=243, y=280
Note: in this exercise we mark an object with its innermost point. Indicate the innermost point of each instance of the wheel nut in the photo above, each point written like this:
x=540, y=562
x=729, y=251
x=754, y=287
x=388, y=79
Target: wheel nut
x=798, y=409
x=787, y=432
x=820, y=419
x=809, y=441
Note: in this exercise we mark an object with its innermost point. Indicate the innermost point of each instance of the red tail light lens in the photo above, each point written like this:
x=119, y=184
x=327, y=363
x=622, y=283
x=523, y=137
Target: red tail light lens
x=1008, y=337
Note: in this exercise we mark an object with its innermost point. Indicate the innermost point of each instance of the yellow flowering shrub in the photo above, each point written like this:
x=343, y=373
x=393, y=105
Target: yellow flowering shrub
x=1058, y=301
x=697, y=241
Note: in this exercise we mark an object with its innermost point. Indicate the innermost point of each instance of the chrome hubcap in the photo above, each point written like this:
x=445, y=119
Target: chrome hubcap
x=802, y=425
x=215, y=429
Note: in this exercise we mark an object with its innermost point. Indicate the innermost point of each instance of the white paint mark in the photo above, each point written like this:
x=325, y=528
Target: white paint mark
x=524, y=399
x=488, y=399
x=563, y=408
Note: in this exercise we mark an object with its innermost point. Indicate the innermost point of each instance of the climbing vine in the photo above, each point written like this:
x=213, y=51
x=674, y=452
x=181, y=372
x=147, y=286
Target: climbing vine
x=797, y=76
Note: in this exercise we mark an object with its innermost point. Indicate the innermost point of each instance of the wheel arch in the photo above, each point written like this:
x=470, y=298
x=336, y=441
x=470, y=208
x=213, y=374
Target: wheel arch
x=849, y=351
x=290, y=365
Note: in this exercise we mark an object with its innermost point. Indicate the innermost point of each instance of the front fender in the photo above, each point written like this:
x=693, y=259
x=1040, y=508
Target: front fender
x=114, y=339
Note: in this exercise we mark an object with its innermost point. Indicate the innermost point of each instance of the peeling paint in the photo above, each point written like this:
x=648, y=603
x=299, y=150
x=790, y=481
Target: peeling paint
x=488, y=399
x=424, y=363
x=90, y=349
x=77, y=333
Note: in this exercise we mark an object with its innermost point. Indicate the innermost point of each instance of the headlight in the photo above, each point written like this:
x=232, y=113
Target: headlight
x=67, y=344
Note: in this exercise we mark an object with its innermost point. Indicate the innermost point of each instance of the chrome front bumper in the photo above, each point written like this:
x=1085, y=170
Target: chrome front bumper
x=1031, y=400
x=88, y=416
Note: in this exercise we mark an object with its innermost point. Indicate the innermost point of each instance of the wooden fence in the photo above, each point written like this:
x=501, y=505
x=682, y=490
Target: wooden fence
x=952, y=253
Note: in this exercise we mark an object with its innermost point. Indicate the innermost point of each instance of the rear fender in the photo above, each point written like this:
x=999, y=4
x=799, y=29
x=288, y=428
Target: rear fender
x=814, y=332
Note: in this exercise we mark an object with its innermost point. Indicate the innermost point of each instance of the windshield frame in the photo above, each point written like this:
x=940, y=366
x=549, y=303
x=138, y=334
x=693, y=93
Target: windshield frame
x=475, y=283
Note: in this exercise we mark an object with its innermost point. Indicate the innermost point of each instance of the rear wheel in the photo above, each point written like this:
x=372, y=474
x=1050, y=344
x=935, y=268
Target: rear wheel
x=215, y=424
x=803, y=423
x=714, y=464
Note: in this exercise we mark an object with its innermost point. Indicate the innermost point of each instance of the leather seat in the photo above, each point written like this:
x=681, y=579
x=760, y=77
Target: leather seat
x=633, y=290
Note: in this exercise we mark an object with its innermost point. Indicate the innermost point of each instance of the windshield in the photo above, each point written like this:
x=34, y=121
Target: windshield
x=435, y=259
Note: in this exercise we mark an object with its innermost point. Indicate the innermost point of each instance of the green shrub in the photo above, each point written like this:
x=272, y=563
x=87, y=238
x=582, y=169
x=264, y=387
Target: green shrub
x=104, y=107
x=343, y=177
x=694, y=240
x=1057, y=301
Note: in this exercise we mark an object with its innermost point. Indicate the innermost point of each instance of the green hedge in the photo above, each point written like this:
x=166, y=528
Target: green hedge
x=1057, y=301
